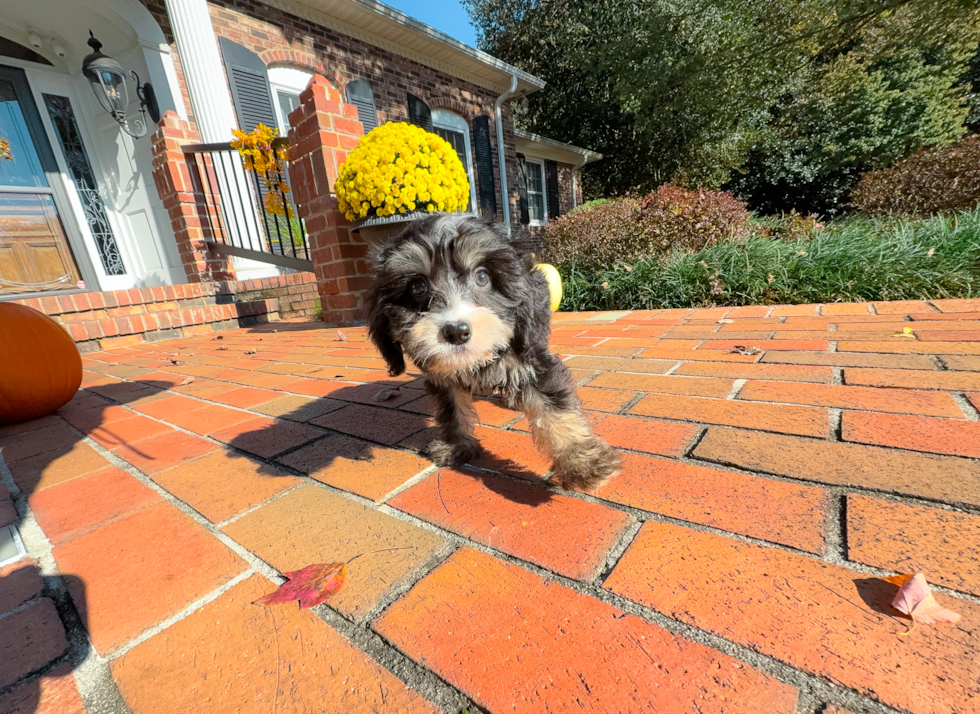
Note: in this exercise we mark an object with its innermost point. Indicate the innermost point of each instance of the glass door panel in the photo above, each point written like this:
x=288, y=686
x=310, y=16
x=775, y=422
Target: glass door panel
x=34, y=252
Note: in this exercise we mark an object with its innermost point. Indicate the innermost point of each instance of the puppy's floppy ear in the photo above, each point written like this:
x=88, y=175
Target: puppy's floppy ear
x=379, y=329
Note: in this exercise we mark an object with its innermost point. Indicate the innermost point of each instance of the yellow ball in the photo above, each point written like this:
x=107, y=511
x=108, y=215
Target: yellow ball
x=553, y=277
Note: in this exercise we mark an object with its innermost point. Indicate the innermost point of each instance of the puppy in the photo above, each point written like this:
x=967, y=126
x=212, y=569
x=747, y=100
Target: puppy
x=464, y=302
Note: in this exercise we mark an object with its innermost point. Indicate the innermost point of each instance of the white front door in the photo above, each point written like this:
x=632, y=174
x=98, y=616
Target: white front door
x=116, y=203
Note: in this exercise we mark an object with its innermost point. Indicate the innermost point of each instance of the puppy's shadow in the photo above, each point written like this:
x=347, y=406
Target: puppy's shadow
x=528, y=494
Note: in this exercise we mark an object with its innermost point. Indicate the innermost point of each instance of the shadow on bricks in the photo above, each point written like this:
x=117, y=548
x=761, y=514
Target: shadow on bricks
x=877, y=594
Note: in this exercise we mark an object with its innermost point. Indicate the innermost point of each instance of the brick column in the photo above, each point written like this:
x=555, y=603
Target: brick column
x=323, y=130
x=184, y=200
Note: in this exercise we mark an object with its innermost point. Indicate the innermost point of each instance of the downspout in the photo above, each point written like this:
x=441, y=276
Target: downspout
x=585, y=160
x=501, y=162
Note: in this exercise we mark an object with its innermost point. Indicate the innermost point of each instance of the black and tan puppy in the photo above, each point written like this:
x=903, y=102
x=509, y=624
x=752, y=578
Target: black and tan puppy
x=464, y=302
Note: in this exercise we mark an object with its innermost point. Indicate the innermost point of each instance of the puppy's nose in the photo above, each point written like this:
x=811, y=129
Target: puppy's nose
x=456, y=333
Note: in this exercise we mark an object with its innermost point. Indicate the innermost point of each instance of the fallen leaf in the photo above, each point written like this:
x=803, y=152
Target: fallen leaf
x=931, y=252
x=916, y=600
x=222, y=347
x=727, y=322
x=743, y=350
x=342, y=336
x=173, y=358
x=386, y=394
x=187, y=380
x=906, y=332
x=219, y=337
x=313, y=585
x=250, y=352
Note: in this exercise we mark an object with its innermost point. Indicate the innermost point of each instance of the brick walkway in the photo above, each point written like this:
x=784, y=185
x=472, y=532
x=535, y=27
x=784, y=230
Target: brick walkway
x=735, y=565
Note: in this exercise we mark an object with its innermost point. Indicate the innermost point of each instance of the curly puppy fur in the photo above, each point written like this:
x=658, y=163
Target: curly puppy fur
x=462, y=299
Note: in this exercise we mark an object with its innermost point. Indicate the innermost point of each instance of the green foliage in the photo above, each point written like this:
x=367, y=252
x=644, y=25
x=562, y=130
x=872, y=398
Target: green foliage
x=810, y=92
x=629, y=229
x=864, y=108
x=857, y=259
x=941, y=181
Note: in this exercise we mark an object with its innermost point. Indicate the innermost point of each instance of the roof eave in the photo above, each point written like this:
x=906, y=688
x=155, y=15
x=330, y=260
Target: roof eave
x=543, y=143
x=379, y=25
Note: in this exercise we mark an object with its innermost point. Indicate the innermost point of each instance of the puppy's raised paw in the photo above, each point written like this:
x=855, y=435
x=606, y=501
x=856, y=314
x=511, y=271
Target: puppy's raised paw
x=443, y=453
x=585, y=466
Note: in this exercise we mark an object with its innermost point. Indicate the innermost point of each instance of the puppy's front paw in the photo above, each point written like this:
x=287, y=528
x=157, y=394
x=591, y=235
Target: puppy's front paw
x=443, y=453
x=585, y=466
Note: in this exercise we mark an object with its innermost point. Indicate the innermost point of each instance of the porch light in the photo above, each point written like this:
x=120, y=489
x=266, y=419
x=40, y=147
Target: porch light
x=108, y=80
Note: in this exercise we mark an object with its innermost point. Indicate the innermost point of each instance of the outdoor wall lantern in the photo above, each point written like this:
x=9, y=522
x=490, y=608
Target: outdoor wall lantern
x=108, y=82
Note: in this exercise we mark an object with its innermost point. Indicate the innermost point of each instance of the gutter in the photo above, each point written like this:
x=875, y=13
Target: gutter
x=585, y=160
x=501, y=162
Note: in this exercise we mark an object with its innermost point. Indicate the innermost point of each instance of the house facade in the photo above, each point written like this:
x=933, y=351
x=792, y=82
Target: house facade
x=80, y=211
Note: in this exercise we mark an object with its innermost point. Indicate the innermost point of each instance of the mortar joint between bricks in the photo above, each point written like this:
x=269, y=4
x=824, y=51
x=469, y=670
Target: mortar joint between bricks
x=736, y=388
x=970, y=412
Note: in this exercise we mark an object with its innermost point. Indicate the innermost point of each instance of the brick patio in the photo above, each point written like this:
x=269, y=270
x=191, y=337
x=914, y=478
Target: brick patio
x=735, y=565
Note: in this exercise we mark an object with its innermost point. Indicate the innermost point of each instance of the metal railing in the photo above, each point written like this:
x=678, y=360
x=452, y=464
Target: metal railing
x=231, y=201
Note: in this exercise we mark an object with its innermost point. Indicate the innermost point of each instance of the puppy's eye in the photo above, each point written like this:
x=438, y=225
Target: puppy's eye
x=418, y=288
x=482, y=277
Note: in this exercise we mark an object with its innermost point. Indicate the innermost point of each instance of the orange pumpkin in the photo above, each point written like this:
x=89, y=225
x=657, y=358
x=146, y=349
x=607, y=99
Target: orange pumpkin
x=40, y=368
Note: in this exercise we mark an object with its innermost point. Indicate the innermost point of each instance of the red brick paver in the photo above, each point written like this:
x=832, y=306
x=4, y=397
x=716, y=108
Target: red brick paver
x=822, y=618
x=762, y=498
x=566, y=535
x=292, y=659
x=585, y=655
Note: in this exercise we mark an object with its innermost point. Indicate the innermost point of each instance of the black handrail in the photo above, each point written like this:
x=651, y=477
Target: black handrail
x=235, y=212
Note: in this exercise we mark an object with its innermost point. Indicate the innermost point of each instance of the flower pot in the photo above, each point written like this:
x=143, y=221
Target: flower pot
x=376, y=230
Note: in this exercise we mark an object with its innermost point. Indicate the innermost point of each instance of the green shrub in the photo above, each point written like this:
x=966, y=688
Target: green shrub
x=928, y=182
x=626, y=230
x=858, y=259
x=597, y=236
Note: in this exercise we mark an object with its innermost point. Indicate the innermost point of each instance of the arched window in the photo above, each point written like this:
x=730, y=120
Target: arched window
x=454, y=129
x=360, y=94
x=287, y=83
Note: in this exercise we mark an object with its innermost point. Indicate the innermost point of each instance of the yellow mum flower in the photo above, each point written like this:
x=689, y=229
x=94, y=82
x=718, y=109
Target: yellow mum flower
x=397, y=168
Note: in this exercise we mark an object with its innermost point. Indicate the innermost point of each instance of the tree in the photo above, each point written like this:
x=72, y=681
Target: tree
x=691, y=89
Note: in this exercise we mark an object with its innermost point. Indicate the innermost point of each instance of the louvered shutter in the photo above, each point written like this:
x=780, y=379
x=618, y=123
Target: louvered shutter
x=551, y=177
x=249, y=86
x=419, y=113
x=360, y=94
x=522, y=190
x=484, y=166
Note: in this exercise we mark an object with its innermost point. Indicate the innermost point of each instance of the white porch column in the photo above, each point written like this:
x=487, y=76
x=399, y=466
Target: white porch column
x=204, y=73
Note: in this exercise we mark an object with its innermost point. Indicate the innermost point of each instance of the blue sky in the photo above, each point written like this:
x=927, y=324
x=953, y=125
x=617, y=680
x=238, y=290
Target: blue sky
x=447, y=16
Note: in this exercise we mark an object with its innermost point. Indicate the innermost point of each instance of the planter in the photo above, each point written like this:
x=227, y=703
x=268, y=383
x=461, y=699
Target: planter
x=376, y=230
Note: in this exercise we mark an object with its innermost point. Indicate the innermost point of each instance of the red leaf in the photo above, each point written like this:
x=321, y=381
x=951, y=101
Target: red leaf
x=915, y=599
x=313, y=585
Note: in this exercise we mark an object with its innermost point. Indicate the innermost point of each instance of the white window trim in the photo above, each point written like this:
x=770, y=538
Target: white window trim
x=291, y=81
x=445, y=119
x=544, y=191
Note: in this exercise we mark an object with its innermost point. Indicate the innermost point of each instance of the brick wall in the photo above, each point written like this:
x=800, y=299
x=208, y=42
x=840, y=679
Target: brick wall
x=281, y=38
x=104, y=320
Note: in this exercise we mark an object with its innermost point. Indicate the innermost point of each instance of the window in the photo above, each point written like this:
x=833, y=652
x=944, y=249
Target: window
x=537, y=204
x=360, y=94
x=454, y=129
x=286, y=83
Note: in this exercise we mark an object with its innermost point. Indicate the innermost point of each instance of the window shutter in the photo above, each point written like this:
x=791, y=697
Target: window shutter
x=419, y=113
x=249, y=86
x=360, y=94
x=551, y=178
x=484, y=166
x=522, y=190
